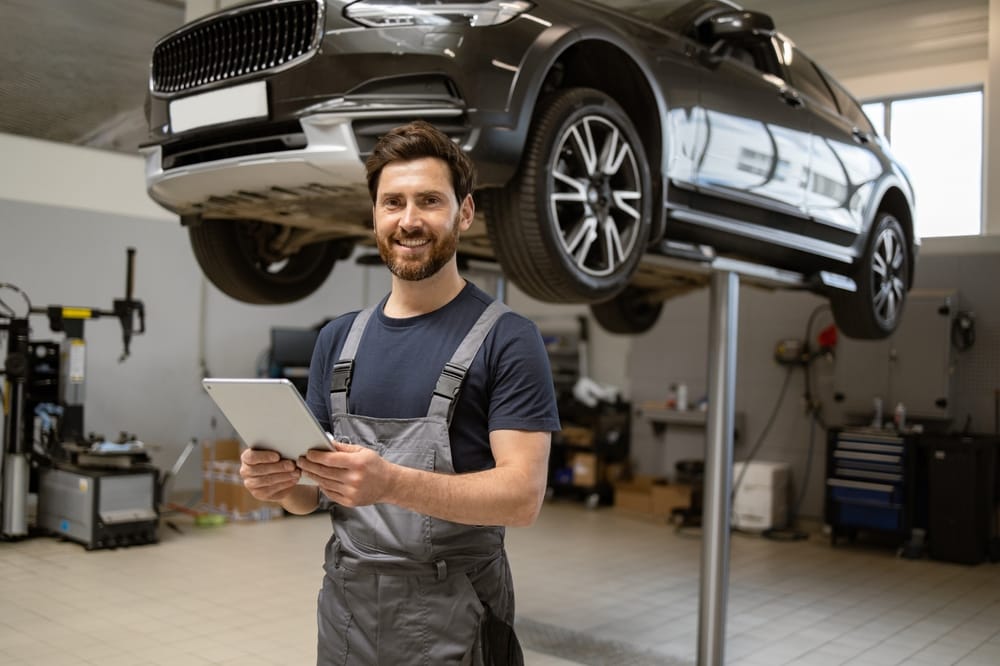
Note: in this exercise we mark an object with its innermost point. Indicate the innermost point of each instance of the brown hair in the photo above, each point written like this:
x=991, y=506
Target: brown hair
x=414, y=141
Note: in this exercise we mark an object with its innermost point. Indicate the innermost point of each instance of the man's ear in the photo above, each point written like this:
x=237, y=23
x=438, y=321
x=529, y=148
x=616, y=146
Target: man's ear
x=466, y=213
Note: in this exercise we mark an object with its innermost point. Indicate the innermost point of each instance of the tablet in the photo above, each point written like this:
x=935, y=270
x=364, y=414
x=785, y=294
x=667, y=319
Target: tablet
x=269, y=414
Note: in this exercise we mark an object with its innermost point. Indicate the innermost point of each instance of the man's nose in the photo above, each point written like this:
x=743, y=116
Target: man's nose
x=410, y=217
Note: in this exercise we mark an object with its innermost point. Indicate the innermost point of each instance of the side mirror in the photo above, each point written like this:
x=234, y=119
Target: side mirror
x=740, y=26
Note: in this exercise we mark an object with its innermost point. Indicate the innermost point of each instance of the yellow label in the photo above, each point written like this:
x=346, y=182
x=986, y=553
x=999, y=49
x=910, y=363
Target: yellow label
x=76, y=313
x=83, y=485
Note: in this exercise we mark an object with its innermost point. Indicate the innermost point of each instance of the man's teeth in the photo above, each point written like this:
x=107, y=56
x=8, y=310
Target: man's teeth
x=413, y=242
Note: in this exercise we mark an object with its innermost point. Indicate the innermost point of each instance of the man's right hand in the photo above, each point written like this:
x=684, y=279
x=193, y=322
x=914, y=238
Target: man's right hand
x=267, y=476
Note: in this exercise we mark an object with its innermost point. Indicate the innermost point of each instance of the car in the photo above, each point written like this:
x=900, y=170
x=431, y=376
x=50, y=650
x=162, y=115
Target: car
x=610, y=138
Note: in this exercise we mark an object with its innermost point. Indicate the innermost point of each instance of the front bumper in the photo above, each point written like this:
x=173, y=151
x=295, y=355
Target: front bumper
x=308, y=185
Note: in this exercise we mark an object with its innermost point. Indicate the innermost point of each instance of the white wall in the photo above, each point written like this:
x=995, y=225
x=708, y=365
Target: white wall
x=74, y=254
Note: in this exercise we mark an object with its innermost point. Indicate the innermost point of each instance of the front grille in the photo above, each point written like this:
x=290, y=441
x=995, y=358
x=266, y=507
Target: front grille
x=255, y=39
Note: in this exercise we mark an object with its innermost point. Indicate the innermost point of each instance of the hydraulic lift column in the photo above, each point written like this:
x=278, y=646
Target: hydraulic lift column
x=723, y=318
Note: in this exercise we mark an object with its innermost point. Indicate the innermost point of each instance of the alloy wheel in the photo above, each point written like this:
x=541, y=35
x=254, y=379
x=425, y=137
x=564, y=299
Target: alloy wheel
x=595, y=194
x=888, y=275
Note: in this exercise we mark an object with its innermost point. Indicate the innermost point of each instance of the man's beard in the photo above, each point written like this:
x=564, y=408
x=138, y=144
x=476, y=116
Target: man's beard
x=442, y=250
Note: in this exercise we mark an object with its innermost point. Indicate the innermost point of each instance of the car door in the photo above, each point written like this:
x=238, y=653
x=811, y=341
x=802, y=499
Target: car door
x=757, y=140
x=843, y=168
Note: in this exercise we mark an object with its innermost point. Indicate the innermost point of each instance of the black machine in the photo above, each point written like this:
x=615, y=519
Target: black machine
x=290, y=353
x=43, y=402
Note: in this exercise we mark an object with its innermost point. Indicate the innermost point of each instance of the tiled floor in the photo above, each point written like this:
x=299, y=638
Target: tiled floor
x=594, y=587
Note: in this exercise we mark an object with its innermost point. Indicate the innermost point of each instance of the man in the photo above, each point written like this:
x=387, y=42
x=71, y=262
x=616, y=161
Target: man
x=441, y=406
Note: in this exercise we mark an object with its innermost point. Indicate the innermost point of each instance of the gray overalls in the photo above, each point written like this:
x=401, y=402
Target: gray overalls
x=400, y=587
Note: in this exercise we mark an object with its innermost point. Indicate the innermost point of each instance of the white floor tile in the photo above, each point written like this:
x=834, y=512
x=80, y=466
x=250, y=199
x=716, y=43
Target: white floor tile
x=245, y=594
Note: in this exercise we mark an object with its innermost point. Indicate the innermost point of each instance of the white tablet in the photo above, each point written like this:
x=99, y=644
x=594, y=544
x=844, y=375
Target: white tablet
x=269, y=414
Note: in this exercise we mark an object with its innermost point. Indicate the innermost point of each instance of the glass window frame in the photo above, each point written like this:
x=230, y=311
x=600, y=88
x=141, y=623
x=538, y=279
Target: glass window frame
x=888, y=100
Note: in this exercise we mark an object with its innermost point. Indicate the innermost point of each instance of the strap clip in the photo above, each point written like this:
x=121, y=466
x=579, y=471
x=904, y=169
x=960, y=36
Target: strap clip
x=340, y=382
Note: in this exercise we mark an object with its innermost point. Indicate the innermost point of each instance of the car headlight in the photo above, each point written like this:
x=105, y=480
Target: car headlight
x=400, y=13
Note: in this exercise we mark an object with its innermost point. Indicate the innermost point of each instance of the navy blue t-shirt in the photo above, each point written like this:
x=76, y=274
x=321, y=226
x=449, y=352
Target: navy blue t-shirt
x=508, y=387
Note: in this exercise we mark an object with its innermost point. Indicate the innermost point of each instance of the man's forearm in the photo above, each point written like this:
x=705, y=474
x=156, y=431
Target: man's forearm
x=500, y=496
x=302, y=500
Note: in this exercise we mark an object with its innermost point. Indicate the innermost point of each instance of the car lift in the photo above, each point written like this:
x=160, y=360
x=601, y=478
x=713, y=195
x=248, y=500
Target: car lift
x=684, y=267
x=723, y=278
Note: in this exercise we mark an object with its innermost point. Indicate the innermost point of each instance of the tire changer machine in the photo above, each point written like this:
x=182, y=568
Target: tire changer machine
x=98, y=493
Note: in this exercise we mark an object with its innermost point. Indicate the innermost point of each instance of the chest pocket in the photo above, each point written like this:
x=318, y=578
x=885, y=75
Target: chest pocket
x=386, y=529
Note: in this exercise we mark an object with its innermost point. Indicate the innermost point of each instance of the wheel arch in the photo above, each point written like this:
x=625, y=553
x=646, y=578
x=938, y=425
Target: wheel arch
x=599, y=60
x=895, y=202
x=621, y=76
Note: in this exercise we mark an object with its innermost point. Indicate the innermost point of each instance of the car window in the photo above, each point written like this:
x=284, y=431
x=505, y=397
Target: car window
x=806, y=79
x=849, y=107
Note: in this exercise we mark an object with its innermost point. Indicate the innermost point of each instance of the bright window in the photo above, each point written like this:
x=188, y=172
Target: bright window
x=940, y=141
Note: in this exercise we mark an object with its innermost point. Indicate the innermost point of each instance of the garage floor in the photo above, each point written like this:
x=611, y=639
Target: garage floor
x=594, y=587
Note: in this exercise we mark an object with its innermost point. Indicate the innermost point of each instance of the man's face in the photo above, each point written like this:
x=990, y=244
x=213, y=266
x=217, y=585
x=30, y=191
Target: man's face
x=417, y=218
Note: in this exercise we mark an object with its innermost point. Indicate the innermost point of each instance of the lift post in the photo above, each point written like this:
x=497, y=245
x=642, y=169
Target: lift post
x=723, y=322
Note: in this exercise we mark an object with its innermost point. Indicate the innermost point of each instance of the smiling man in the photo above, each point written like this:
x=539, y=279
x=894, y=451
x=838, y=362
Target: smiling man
x=442, y=406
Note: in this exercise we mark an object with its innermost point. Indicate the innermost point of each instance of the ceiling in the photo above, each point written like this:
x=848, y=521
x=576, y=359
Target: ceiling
x=75, y=71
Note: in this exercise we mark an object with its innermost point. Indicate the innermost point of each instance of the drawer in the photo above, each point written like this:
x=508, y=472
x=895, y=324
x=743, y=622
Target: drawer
x=864, y=492
x=871, y=517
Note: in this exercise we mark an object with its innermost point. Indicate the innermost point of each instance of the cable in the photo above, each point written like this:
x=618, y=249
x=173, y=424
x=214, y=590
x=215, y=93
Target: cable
x=13, y=287
x=814, y=410
x=763, y=434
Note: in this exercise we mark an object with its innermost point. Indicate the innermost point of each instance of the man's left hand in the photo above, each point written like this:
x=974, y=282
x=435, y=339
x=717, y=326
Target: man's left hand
x=350, y=475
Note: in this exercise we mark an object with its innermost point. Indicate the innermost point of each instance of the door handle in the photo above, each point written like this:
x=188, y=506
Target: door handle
x=792, y=98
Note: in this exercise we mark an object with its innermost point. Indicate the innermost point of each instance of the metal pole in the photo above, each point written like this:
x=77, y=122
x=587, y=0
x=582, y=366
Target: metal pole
x=724, y=307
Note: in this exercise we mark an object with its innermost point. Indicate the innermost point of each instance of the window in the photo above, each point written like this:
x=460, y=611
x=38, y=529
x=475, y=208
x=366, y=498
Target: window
x=940, y=141
x=807, y=79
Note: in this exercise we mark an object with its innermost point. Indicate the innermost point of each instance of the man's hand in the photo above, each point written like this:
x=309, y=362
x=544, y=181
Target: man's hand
x=267, y=476
x=350, y=475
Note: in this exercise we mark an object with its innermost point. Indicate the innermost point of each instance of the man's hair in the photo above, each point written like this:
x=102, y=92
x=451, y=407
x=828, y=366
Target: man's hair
x=417, y=140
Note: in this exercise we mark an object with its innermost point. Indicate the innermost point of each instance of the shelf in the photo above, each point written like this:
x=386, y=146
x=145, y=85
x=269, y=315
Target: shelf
x=660, y=417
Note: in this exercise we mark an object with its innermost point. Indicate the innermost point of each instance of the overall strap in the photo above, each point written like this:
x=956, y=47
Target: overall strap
x=340, y=381
x=449, y=384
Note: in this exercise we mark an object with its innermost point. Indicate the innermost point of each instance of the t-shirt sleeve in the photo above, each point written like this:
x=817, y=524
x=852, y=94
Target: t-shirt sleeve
x=523, y=394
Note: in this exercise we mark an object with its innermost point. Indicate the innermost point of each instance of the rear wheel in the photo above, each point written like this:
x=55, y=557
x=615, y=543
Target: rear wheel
x=628, y=313
x=235, y=256
x=875, y=309
x=572, y=224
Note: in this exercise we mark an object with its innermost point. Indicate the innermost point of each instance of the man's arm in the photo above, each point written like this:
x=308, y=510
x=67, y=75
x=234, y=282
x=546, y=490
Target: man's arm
x=510, y=494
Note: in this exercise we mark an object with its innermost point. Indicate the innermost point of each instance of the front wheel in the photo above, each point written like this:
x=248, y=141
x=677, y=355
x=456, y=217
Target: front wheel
x=875, y=309
x=235, y=256
x=572, y=224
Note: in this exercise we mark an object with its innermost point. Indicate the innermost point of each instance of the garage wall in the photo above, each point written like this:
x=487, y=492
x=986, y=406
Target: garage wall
x=62, y=256
x=676, y=350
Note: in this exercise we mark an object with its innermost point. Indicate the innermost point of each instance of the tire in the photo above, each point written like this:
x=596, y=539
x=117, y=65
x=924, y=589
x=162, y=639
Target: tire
x=546, y=224
x=629, y=313
x=883, y=276
x=231, y=257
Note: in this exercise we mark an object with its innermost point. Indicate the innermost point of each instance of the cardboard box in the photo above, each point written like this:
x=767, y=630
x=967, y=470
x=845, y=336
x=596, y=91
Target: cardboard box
x=584, y=467
x=669, y=496
x=577, y=436
x=651, y=496
x=221, y=487
x=635, y=495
